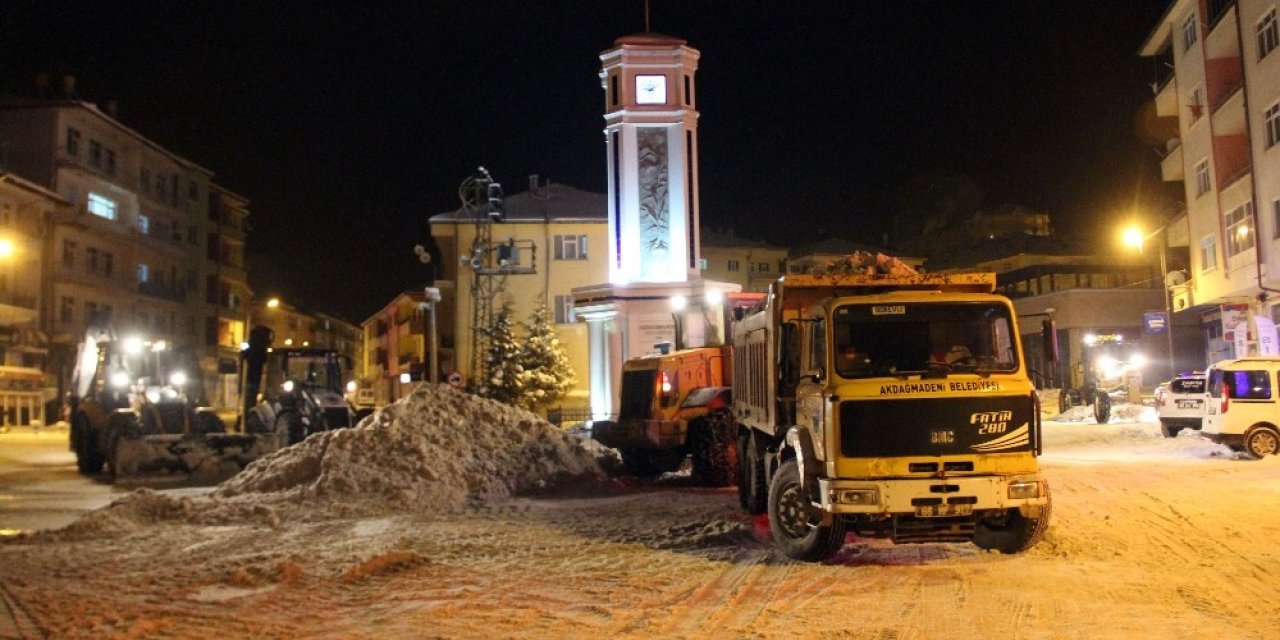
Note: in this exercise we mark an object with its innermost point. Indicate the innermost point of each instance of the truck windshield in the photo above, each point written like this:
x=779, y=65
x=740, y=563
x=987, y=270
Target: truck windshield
x=912, y=337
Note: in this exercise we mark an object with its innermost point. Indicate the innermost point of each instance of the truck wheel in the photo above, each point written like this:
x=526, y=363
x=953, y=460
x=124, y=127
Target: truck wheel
x=1101, y=408
x=1012, y=532
x=1262, y=442
x=636, y=462
x=1169, y=430
x=1064, y=401
x=753, y=492
x=796, y=528
x=289, y=429
x=714, y=450
x=89, y=459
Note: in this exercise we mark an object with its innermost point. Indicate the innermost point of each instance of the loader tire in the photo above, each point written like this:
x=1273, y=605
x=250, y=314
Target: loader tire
x=89, y=459
x=1101, y=408
x=714, y=451
x=289, y=429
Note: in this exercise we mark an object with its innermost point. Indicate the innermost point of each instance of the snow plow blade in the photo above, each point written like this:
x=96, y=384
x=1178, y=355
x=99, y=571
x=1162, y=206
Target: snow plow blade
x=210, y=458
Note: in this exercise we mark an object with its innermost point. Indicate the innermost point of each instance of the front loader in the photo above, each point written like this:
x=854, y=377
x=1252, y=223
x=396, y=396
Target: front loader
x=135, y=409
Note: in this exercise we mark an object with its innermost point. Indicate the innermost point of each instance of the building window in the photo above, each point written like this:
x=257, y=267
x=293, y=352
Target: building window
x=66, y=312
x=191, y=234
x=1202, y=177
x=1275, y=218
x=68, y=253
x=1208, y=253
x=564, y=310
x=1268, y=35
x=95, y=153
x=146, y=180
x=108, y=264
x=144, y=273
x=1239, y=225
x=702, y=263
x=762, y=267
x=111, y=161
x=733, y=265
x=571, y=247
x=1190, y=31
x=73, y=141
x=1195, y=103
x=91, y=260
x=102, y=207
x=144, y=224
x=1272, y=124
x=193, y=191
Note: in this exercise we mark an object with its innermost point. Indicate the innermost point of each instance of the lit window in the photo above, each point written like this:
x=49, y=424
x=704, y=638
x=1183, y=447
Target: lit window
x=144, y=225
x=102, y=207
x=1239, y=225
x=1190, y=31
x=1272, y=124
x=144, y=273
x=1208, y=253
x=1202, y=177
x=1268, y=34
x=702, y=263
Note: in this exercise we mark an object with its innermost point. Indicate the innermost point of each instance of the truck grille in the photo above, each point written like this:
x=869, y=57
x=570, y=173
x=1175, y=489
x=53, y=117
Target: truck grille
x=336, y=418
x=937, y=427
x=637, y=394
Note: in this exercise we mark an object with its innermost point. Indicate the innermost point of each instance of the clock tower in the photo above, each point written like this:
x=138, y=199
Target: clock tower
x=655, y=298
x=651, y=138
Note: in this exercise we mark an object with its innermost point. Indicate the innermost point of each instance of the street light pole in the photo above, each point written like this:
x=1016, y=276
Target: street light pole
x=1136, y=238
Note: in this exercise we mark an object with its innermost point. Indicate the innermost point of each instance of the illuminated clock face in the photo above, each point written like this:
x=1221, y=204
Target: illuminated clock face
x=651, y=89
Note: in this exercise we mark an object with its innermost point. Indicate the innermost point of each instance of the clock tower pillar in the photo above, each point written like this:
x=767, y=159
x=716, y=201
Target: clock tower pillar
x=651, y=137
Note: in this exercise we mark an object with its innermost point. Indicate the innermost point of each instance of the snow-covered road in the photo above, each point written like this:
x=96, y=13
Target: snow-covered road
x=1150, y=538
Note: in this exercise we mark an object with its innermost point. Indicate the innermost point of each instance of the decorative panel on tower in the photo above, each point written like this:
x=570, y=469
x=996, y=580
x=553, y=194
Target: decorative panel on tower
x=651, y=133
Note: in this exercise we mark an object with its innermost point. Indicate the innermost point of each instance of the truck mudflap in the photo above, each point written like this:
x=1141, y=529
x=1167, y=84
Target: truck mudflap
x=645, y=434
x=935, y=497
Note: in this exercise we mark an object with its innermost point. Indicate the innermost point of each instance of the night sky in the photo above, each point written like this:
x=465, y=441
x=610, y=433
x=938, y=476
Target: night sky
x=348, y=125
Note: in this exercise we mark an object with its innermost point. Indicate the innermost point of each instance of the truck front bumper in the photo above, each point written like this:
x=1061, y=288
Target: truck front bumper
x=934, y=497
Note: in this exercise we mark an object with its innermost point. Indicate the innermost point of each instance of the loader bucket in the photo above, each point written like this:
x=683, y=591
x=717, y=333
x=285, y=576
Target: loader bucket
x=201, y=460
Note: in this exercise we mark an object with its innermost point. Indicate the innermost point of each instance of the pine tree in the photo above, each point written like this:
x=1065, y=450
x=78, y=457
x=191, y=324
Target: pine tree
x=502, y=361
x=547, y=375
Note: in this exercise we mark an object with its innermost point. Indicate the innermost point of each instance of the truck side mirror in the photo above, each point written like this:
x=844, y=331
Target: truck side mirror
x=1049, y=339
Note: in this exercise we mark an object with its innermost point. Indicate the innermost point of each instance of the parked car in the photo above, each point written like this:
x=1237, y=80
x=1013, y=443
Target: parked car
x=1180, y=403
x=1243, y=410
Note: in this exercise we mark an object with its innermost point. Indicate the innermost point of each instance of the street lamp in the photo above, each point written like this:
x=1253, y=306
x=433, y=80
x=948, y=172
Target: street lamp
x=1134, y=237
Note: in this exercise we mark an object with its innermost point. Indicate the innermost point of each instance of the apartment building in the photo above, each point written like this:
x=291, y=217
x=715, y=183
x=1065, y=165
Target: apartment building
x=552, y=239
x=396, y=348
x=1221, y=81
x=750, y=264
x=133, y=246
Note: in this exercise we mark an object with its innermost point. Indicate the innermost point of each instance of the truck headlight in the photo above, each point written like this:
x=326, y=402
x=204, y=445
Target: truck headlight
x=867, y=496
x=1023, y=490
x=120, y=380
x=178, y=379
x=287, y=386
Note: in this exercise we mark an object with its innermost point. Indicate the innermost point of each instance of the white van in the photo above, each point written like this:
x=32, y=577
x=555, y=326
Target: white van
x=1243, y=408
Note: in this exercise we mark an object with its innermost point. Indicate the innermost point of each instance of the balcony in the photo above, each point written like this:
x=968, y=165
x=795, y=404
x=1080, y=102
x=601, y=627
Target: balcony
x=157, y=289
x=1167, y=100
x=1171, y=167
x=16, y=308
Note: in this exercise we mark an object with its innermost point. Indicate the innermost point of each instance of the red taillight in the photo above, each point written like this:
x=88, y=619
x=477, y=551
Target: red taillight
x=1226, y=397
x=664, y=382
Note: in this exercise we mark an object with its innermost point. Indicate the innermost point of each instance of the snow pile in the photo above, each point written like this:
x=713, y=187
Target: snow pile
x=434, y=450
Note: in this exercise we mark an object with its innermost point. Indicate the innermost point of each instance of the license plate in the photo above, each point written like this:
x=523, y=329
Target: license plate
x=943, y=510
x=1188, y=404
